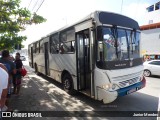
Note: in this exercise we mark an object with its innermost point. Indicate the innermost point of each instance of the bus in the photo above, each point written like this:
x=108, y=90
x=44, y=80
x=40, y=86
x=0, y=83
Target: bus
x=98, y=56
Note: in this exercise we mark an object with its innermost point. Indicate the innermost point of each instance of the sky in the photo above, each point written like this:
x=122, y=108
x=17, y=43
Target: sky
x=60, y=13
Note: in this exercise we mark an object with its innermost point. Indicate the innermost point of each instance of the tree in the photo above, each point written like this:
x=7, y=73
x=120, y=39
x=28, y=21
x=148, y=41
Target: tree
x=14, y=19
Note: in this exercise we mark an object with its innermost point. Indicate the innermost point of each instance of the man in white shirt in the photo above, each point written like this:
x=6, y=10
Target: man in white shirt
x=3, y=85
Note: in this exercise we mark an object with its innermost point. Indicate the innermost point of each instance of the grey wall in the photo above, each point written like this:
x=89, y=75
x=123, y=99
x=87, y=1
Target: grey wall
x=150, y=41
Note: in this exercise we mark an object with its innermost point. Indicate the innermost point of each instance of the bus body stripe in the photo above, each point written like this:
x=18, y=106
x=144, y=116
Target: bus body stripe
x=138, y=86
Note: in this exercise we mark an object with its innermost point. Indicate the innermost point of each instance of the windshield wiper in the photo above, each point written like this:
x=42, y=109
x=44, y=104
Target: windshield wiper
x=131, y=41
x=114, y=33
x=128, y=46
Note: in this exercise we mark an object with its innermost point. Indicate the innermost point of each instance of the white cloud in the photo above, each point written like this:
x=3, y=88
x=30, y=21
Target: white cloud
x=58, y=12
x=136, y=11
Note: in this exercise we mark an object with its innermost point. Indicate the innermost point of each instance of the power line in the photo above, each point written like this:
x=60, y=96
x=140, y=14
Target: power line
x=40, y=6
x=29, y=4
x=34, y=5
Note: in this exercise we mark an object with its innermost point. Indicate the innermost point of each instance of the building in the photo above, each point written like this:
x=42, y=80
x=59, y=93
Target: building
x=150, y=33
x=153, y=13
x=150, y=38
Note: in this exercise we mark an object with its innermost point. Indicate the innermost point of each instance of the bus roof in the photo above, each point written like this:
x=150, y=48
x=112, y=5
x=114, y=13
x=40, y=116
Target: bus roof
x=109, y=18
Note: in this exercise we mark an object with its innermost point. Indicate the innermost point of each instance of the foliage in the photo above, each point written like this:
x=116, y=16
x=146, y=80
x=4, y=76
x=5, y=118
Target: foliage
x=14, y=19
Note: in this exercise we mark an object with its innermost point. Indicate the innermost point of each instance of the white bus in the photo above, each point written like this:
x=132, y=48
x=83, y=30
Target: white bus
x=98, y=56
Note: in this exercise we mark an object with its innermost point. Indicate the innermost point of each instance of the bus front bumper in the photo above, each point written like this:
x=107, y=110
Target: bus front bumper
x=131, y=89
x=110, y=96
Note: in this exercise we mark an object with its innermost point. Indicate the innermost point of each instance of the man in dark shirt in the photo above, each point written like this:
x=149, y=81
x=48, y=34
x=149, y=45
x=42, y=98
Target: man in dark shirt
x=18, y=77
x=10, y=67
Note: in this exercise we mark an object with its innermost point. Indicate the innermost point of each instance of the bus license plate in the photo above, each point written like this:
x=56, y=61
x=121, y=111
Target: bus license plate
x=132, y=90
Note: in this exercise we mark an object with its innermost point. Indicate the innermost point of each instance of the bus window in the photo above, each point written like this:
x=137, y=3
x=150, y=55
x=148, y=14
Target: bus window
x=54, y=44
x=100, y=51
x=72, y=46
x=61, y=48
x=70, y=35
x=68, y=47
x=67, y=39
x=41, y=47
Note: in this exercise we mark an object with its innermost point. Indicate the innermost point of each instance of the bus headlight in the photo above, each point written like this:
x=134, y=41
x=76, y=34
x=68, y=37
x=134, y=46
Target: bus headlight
x=107, y=86
x=110, y=86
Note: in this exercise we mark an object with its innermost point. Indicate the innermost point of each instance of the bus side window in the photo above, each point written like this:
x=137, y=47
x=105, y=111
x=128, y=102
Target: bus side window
x=100, y=51
x=73, y=46
x=61, y=48
x=72, y=49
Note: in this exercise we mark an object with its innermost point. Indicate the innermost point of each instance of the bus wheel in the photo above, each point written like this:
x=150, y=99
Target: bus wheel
x=68, y=84
x=147, y=73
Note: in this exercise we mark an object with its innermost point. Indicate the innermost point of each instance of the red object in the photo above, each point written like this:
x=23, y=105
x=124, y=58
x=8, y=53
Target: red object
x=144, y=82
x=23, y=72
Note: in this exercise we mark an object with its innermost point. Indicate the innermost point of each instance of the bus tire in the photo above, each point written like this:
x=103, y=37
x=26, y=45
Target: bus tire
x=68, y=84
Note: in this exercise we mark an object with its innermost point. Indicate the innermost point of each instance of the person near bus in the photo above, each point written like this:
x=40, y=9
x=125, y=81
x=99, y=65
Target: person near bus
x=4, y=77
x=17, y=77
x=5, y=60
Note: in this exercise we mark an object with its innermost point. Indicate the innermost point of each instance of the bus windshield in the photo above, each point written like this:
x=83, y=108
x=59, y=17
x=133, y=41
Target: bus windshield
x=117, y=44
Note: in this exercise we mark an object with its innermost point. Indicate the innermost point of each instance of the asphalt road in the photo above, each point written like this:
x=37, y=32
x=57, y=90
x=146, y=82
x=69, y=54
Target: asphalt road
x=144, y=100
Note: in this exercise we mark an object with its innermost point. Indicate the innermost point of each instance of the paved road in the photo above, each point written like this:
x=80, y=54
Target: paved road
x=44, y=94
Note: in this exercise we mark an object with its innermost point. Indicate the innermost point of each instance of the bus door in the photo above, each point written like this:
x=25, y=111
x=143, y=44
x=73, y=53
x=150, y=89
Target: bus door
x=83, y=61
x=46, y=55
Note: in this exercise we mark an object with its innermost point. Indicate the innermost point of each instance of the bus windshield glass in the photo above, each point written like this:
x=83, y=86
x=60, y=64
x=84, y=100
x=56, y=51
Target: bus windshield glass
x=117, y=44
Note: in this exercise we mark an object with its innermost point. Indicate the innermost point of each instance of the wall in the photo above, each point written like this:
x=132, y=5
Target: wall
x=154, y=15
x=150, y=41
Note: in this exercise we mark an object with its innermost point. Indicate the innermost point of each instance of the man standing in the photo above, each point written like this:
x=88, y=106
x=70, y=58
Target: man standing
x=10, y=67
x=18, y=77
x=3, y=85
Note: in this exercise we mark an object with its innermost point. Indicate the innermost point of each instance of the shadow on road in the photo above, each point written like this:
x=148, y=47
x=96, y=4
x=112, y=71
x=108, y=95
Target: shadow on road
x=80, y=102
x=34, y=98
x=133, y=102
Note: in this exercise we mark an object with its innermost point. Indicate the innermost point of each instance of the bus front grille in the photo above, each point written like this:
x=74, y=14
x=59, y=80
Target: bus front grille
x=129, y=82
